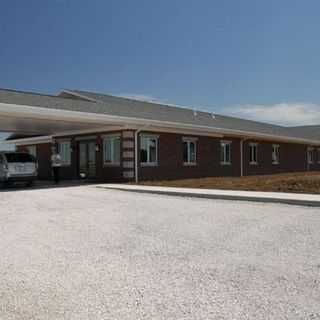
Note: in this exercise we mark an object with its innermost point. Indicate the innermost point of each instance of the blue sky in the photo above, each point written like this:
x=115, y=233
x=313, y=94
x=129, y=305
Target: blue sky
x=252, y=58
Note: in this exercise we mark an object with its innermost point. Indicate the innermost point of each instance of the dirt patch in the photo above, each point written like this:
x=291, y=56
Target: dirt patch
x=306, y=182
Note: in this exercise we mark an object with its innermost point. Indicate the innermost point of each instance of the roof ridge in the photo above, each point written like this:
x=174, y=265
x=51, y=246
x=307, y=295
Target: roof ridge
x=144, y=101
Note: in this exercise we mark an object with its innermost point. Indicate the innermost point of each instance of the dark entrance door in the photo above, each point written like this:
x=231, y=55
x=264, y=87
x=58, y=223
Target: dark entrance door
x=87, y=159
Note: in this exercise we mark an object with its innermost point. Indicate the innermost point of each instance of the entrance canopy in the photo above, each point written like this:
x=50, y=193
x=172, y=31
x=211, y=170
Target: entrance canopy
x=33, y=126
x=29, y=114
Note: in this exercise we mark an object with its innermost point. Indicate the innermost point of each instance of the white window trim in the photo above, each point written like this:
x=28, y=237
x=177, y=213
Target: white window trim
x=311, y=161
x=186, y=139
x=223, y=143
x=110, y=135
x=189, y=164
x=150, y=164
x=64, y=163
x=276, y=162
x=253, y=144
x=193, y=140
x=110, y=164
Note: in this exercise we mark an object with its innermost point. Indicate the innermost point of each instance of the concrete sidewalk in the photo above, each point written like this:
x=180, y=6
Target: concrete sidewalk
x=273, y=197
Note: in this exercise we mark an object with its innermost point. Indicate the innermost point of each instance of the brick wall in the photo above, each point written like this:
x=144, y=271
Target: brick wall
x=293, y=158
x=105, y=172
x=170, y=159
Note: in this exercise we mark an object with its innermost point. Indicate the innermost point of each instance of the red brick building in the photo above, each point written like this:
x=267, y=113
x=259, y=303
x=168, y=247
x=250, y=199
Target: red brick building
x=111, y=138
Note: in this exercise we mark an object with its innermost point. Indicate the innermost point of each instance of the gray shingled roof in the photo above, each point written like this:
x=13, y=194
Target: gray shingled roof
x=119, y=106
x=311, y=132
x=156, y=111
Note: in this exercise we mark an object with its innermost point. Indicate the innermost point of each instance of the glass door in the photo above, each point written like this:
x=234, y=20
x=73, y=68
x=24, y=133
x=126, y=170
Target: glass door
x=87, y=159
x=91, y=159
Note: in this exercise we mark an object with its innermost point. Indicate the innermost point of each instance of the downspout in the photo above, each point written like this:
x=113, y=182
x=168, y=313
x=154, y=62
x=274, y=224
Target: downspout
x=241, y=157
x=136, y=160
x=136, y=135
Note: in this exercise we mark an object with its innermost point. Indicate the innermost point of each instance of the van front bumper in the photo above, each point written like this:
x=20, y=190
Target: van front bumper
x=20, y=178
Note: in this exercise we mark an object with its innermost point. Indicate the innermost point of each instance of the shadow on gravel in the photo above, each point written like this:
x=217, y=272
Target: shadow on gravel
x=38, y=185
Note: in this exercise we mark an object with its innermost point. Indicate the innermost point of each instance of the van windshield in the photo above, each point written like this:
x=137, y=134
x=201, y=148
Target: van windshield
x=19, y=157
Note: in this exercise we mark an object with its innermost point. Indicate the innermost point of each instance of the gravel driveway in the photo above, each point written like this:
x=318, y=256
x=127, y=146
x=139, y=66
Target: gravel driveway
x=88, y=253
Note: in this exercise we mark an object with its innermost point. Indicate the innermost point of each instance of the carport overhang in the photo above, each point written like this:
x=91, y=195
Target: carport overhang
x=49, y=123
x=31, y=121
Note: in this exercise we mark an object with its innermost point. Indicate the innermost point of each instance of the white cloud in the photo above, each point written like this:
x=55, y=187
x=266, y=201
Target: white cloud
x=140, y=97
x=287, y=114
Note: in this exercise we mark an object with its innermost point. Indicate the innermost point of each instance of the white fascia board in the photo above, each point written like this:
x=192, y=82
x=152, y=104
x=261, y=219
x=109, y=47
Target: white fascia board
x=193, y=132
x=146, y=128
x=29, y=141
x=76, y=116
x=88, y=131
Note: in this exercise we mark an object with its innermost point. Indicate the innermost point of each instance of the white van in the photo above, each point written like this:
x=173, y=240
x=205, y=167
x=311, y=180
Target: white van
x=17, y=167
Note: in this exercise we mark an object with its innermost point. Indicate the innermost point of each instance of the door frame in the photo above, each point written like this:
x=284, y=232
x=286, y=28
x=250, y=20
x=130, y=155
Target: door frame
x=86, y=142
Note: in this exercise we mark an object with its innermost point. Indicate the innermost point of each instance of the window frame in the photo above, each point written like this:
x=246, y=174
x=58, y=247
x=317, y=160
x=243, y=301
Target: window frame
x=311, y=160
x=190, y=140
x=111, y=137
x=65, y=163
x=255, y=145
x=277, y=149
x=149, y=163
x=223, y=145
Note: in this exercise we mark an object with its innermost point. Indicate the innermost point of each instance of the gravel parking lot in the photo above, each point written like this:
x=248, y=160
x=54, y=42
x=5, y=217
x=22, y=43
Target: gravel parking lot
x=88, y=253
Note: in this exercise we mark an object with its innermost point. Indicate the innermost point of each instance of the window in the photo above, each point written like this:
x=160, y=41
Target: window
x=310, y=155
x=189, y=151
x=111, y=150
x=253, y=153
x=275, y=154
x=32, y=150
x=149, y=150
x=225, y=152
x=318, y=152
x=64, y=149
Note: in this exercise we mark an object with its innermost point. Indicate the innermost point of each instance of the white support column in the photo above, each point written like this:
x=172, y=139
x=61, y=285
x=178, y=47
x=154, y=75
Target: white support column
x=127, y=154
